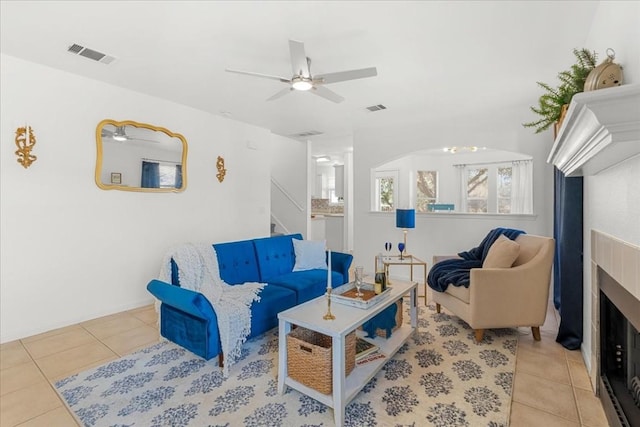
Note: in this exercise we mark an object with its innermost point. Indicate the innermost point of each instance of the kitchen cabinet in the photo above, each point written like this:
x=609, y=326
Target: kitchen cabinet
x=318, y=228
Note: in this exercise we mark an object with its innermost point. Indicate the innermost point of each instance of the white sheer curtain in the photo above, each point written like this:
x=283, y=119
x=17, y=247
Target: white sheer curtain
x=522, y=187
x=462, y=189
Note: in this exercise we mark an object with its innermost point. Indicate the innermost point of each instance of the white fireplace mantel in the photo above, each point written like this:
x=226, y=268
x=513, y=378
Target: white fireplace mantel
x=601, y=129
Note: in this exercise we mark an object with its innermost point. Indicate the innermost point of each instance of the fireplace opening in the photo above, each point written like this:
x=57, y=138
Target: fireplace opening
x=619, y=353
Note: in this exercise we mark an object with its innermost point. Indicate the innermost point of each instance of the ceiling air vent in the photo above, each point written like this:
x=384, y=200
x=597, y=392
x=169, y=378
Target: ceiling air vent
x=376, y=107
x=306, y=134
x=76, y=49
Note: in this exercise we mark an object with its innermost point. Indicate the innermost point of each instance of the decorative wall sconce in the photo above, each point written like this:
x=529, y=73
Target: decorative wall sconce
x=221, y=170
x=25, y=140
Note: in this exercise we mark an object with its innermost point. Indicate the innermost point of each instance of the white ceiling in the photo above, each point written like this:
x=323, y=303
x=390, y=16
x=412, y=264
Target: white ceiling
x=435, y=60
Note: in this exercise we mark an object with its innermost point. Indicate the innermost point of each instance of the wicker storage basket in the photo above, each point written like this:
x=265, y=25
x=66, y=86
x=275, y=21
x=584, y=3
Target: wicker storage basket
x=309, y=358
x=382, y=332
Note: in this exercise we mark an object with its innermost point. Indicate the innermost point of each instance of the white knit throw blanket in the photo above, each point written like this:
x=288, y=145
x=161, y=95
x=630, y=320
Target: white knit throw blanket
x=198, y=271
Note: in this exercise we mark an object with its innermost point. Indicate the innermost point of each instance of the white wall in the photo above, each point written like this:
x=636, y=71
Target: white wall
x=447, y=233
x=612, y=198
x=290, y=199
x=70, y=251
x=348, y=202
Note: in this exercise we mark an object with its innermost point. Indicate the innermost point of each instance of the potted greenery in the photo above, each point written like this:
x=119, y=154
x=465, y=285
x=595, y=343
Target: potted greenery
x=554, y=102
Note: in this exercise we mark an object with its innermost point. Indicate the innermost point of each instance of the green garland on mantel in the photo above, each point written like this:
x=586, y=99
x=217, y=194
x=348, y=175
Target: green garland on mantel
x=550, y=104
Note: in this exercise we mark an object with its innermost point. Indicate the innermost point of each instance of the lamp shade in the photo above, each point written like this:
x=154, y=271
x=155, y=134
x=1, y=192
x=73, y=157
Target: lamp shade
x=405, y=218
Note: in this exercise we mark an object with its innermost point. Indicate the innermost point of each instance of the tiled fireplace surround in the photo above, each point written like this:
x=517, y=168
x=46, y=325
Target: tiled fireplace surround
x=621, y=261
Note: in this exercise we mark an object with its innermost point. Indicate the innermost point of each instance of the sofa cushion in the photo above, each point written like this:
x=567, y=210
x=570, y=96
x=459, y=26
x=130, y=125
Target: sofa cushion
x=237, y=262
x=502, y=254
x=309, y=254
x=264, y=313
x=275, y=255
x=461, y=292
x=307, y=284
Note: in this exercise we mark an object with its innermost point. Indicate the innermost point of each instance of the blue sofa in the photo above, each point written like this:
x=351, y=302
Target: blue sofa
x=188, y=319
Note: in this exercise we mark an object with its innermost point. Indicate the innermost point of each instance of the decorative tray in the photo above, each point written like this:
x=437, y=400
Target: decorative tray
x=346, y=294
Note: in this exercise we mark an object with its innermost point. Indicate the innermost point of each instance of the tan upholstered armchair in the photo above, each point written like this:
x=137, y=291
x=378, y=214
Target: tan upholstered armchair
x=505, y=297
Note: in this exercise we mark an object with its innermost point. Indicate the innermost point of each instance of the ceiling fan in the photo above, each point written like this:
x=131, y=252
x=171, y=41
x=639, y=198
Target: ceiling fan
x=303, y=80
x=120, y=135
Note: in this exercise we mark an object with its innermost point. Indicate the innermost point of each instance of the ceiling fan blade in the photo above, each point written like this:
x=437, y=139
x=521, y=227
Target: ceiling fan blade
x=299, y=63
x=264, y=76
x=326, y=93
x=342, y=76
x=280, y=94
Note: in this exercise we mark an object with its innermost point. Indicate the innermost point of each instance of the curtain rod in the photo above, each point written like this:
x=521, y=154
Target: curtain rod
x=493, y=163
x=163, y=161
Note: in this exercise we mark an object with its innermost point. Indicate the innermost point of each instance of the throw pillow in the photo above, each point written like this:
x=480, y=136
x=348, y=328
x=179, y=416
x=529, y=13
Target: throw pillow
x=502, y=253
x=310, y=254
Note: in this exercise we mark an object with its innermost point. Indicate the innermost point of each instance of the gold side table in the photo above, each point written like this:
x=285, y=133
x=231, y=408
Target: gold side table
x=407, y=260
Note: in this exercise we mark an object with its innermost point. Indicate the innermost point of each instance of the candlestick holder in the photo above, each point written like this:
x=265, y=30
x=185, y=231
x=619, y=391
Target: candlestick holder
x=329, y=316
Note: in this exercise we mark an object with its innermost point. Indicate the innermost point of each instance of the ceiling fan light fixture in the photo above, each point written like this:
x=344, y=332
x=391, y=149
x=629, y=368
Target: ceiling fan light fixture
x=322, y=159
x=301, y=83
x=119, y=134
x=454, y=150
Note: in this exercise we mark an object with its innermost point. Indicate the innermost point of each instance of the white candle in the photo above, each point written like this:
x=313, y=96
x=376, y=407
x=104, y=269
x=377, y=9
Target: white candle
x=329, y=269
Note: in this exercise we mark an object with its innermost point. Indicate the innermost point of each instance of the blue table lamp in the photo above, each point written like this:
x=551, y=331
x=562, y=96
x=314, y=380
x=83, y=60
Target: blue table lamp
x=405, y=218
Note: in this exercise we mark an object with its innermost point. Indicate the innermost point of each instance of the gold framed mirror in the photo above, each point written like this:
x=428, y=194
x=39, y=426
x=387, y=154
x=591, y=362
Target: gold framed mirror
x=134, y=156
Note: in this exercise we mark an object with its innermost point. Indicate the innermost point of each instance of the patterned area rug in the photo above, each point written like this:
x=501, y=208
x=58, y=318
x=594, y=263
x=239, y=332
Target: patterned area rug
x=441, y=377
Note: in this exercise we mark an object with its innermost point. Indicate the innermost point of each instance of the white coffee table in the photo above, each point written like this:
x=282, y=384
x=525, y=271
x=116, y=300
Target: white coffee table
x=309, y=315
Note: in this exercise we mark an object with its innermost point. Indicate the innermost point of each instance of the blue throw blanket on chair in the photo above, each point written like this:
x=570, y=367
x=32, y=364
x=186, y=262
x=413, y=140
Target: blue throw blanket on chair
x=456, y=271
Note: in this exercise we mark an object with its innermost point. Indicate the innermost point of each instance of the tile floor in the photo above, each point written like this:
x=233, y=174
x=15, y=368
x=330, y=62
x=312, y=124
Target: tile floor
x=551, y=386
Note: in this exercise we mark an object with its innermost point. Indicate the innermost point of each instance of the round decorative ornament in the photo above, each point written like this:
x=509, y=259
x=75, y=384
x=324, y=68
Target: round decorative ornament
x=607, y=74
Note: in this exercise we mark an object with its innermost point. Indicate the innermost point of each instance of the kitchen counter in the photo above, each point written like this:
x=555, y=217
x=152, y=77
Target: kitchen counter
x=327, y=214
